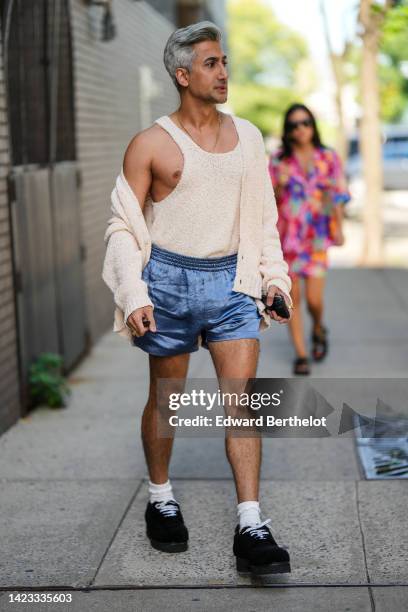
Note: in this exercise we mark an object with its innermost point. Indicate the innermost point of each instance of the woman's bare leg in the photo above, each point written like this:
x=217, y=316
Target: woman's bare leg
x=314, y=298
x=296, y=322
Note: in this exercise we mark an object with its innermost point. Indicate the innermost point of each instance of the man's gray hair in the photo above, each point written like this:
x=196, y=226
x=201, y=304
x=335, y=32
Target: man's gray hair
x=179, y=53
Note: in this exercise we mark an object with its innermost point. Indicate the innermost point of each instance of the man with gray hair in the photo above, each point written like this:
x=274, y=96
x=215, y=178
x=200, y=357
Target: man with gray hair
x=214, y=268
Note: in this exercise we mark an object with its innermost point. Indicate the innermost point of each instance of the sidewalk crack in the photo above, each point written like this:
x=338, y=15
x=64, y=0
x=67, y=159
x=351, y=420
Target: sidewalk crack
x=370, y=590
x=91, y=582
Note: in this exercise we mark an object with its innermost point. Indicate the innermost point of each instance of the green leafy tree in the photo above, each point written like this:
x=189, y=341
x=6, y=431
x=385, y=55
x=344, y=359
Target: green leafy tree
x=264, y=64
x=392, y=62
x=393, y=71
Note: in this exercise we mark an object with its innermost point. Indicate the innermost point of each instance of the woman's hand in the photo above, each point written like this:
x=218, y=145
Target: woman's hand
x=338, y=237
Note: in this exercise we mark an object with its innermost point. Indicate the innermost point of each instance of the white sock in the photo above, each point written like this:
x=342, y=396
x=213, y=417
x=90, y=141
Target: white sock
x=249, y=514
x=160, y=492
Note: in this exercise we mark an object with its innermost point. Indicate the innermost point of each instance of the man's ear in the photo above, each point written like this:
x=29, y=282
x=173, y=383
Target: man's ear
x=182, y=73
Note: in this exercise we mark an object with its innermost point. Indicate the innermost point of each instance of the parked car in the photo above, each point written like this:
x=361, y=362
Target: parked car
x=395, y=159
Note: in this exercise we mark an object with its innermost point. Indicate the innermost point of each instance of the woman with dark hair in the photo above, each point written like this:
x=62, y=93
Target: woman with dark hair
x=310, y=190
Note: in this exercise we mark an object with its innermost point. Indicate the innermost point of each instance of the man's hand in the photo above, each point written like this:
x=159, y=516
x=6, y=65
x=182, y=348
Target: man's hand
x=136, y=318
x=271, y=294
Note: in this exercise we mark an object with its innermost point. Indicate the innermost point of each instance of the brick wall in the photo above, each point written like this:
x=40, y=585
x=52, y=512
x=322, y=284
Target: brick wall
x=120, y=87
x=112, y=106
x=166, y=8
x=9, y=382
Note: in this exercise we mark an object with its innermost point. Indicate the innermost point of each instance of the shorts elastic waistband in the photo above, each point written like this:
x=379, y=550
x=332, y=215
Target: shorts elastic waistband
x=193, y=263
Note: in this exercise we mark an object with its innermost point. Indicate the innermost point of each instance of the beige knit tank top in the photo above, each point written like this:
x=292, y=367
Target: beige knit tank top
x=200, y=217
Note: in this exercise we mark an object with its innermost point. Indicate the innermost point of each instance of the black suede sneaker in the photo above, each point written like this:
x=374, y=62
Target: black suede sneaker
x=257, y=551
x=165, y=527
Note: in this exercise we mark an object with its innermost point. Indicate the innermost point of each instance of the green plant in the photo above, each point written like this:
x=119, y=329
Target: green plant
x=47, y=385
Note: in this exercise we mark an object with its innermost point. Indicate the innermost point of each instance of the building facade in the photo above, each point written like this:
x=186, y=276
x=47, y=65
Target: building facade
x=78, y=78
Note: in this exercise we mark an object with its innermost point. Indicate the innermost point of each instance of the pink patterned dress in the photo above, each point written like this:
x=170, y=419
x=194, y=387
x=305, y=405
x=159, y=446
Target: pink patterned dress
x=305, y=204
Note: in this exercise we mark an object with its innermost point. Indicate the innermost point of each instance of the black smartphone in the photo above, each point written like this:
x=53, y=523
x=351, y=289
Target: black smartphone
x=278, y=305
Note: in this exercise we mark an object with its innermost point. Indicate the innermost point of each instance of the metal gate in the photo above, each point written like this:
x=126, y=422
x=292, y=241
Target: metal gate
x=43, y=182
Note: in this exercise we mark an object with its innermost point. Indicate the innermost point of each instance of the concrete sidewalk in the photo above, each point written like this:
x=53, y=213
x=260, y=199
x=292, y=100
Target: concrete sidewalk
x=74, y=488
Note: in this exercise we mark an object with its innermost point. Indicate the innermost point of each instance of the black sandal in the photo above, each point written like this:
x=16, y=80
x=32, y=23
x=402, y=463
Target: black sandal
x=301, y=366
x=320, y=344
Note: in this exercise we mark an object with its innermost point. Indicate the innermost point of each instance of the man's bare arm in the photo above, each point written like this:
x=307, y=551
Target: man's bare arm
x=137, y=170
x=137, y=164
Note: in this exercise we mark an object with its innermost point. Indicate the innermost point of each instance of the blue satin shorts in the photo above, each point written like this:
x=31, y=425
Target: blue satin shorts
x=192, y=297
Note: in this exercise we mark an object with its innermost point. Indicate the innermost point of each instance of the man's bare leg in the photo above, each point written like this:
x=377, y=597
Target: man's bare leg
x=165, y=526
x=254, y=546
x=239, y=359
x=158, y=449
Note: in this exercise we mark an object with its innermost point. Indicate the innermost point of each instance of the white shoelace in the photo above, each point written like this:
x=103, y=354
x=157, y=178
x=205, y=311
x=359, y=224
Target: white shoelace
x=167, y=508
x=253, y=531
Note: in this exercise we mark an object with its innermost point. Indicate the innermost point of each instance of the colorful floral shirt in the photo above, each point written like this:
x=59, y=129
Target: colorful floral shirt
x=305, y=200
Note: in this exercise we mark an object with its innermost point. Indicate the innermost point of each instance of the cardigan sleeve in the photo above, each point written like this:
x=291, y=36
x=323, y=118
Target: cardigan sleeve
x=273, y=267
x=122, y=272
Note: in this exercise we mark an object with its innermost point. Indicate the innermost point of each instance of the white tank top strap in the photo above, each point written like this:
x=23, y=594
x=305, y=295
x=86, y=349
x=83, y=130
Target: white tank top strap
x=175, y=132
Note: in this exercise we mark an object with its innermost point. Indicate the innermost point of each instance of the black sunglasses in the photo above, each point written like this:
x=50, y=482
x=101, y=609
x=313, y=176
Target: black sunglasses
x=292, y=125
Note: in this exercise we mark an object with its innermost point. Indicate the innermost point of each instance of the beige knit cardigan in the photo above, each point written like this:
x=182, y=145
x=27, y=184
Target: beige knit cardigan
x=260, y=260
